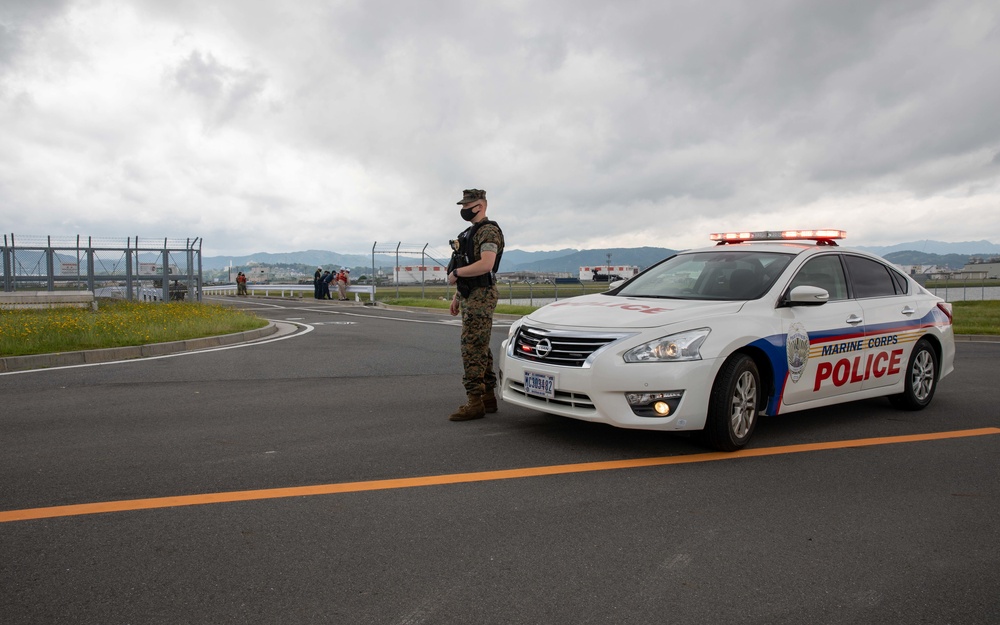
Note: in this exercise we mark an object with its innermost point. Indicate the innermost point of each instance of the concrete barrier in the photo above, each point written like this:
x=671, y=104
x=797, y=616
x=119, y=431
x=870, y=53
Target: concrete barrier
x=17, y=300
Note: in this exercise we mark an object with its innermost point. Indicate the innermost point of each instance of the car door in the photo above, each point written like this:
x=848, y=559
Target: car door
x=891, y=320
x=822, y=340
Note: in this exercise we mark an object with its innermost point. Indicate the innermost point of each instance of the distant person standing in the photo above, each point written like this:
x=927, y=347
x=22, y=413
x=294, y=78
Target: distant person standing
x=472, y=270
x=318, y=283
x=241, y=284
x=343, y=281
x=326, y=279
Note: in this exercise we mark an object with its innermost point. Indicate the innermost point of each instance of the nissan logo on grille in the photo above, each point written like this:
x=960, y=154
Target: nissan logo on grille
x=543, y=348
x=560, y=349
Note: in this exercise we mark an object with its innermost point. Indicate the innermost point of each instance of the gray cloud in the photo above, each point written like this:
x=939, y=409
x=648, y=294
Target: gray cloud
x=18, y=20
x=10, y=44
x=586, y=121
x=31, y=11
x=223, y=90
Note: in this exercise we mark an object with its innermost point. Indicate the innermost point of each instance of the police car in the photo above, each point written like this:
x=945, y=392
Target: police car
x=763, y=323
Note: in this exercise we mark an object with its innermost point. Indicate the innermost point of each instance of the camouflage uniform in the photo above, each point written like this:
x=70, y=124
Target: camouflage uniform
x=477, y=320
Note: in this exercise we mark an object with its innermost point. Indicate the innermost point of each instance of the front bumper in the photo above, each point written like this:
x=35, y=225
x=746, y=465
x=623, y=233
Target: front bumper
x=597, y=393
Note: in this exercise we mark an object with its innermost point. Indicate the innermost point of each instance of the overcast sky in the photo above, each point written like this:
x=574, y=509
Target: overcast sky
x=284, y=126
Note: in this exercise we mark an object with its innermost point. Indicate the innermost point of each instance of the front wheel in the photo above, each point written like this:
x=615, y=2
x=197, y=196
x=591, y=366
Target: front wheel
x=733, y=405
x=921, y=378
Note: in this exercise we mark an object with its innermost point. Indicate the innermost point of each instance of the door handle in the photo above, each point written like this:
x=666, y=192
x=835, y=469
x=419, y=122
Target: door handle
x=854, y=320
x=908, y=310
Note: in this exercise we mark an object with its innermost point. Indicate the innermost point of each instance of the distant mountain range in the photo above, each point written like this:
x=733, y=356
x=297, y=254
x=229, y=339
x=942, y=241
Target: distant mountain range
x=969, y=248
x=313, y=258
x=952, y=255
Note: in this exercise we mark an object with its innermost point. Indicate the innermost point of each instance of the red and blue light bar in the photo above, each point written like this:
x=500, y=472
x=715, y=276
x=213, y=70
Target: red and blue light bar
x=827, y=236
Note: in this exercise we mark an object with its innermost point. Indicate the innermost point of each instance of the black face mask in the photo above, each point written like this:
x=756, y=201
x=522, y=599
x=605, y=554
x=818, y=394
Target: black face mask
x=468, y=214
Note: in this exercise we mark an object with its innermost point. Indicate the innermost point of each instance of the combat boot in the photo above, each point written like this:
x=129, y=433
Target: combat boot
x=474, y=409
x=490, y=401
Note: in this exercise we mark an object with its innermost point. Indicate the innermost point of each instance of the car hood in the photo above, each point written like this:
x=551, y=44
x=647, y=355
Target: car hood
x=609, y=312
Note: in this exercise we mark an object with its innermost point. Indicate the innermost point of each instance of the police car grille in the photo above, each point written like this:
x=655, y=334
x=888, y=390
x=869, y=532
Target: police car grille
x=557, y=348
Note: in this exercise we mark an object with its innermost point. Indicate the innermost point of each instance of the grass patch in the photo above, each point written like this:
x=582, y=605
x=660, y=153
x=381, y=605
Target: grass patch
x=506, y=291
x=976, y=317
x=502, y=309
x=416, y=302
x=116, y=323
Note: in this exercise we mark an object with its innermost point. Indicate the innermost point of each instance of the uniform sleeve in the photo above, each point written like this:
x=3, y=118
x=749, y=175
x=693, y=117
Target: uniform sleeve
x=490, y=239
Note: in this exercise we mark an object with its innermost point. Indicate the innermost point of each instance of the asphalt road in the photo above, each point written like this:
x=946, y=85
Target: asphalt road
x=510, y=525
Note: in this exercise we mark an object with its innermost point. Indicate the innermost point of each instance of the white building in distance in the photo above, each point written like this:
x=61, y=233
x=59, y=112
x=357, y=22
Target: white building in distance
x=622, y=271
x=417, y=274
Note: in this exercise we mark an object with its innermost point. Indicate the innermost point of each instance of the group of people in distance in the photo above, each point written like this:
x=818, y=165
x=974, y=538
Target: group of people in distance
x=241, y=284
x=322, y=279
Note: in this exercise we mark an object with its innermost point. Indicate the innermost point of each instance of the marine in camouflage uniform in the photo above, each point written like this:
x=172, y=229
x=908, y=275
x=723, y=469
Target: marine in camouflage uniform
x=477, y=257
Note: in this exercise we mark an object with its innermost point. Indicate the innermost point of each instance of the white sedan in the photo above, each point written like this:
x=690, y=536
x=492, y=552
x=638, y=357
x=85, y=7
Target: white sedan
x=760, y=324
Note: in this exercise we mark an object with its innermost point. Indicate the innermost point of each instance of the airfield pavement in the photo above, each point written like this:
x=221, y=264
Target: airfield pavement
x=312, y=476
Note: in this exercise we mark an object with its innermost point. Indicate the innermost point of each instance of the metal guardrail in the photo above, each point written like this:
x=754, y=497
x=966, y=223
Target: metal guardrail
x=282, y=289
x=141, y=293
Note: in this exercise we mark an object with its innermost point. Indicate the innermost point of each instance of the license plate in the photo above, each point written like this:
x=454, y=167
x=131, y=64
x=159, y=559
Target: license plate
x=540, y=385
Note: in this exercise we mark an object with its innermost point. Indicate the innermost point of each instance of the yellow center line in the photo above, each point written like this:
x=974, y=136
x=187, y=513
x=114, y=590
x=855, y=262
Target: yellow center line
x=463, y=478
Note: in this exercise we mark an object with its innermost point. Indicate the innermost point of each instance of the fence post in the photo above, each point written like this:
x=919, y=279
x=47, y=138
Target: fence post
x=8, y=283
x=131, y=287
x=91, y=285
x=397, y=268
x=423, y=268
x=50, y=265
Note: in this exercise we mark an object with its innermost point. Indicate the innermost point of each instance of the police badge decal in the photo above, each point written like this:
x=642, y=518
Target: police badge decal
x=797, y=349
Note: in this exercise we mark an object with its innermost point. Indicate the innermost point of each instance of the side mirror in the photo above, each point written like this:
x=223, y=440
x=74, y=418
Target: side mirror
x=614, y=285
x=807, y=296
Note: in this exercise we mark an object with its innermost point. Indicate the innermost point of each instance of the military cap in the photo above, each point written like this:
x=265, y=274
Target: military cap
x=472, y=195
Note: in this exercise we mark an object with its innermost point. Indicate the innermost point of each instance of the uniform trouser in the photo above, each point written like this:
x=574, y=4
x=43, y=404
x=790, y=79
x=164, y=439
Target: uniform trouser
x=342, y=289
x=477, y=330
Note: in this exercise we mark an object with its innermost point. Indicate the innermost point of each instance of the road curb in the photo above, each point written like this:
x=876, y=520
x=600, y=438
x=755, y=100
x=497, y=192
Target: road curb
x=93, y=356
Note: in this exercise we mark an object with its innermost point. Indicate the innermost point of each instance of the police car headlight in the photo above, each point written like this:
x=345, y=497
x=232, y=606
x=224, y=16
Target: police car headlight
x=513, y=328
x=673, y=348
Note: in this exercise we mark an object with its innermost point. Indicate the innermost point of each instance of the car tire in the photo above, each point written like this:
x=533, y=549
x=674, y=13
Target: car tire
x=733, y=405
x=921, y=378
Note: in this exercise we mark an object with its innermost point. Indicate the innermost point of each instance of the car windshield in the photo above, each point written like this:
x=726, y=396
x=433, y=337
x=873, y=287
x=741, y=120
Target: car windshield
x=712, y=275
